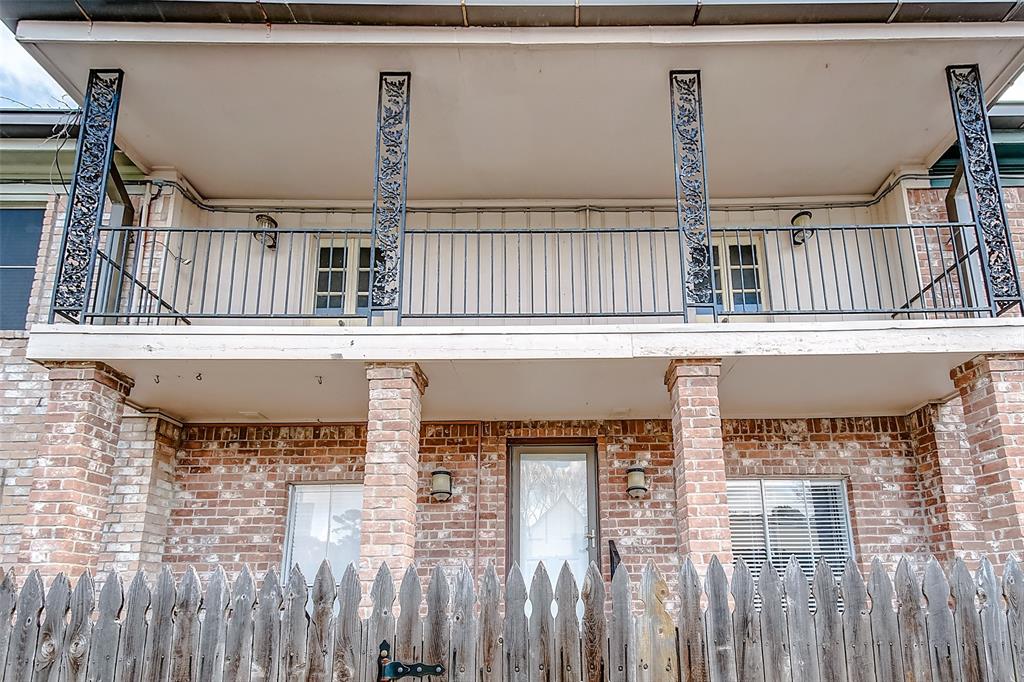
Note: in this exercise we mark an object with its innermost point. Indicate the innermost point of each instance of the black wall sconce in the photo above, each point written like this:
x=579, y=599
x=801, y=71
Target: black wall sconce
x=804, y=231
x=268, y=234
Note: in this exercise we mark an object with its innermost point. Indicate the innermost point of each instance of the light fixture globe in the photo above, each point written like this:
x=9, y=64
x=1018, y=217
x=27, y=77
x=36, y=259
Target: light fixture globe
x=440, y=485
x=636, y=481
x=268, y=234
x=804, y=231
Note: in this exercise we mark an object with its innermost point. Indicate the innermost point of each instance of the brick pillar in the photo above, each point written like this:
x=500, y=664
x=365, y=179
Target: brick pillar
x=951, y=506
x=141, y=491
x=992, y=390
x=71, y=482
x=702, y=511
x=392, y=467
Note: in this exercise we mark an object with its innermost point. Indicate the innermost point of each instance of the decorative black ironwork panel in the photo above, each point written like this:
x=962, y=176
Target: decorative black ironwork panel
x=390, y=173
x=691, y=187
x=88, y=192
x=983, y=187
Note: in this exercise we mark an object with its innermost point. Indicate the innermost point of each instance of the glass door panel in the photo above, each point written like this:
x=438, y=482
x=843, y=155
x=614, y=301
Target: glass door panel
x=553, y=515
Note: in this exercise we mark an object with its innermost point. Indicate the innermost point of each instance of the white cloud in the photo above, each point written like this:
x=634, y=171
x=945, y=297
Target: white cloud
x=22, y=81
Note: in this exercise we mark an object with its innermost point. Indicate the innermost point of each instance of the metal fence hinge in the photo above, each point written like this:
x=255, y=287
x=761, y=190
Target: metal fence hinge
x=394, y=670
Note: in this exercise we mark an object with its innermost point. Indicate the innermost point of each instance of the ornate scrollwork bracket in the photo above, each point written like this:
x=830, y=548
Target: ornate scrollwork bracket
x=93, y=158
x=692, y=214
x=390, y=173
x=983, y=187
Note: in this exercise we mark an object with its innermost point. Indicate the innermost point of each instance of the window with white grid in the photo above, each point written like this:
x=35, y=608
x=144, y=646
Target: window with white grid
x=775, y=519
x=342, y=272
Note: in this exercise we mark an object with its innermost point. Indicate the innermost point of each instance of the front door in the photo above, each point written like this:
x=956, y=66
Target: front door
x=554, y=515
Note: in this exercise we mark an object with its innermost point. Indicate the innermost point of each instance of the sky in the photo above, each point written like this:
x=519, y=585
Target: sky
x=23, y=83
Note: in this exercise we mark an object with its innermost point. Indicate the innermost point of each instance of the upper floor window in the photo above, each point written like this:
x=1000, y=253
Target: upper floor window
x=20, y=229
x=737, y=275
x=342, y=278
x=775, y=519
x=324, y=522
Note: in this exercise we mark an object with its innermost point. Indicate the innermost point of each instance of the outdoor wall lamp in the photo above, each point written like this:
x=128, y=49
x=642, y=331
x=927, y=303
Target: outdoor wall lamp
x=441, y=485
x=267, y=236
x=804, y=231
x=636, y=481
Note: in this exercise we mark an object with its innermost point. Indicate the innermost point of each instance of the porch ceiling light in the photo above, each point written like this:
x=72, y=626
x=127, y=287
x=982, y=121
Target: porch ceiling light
x=802, y=221
x=268, y=235
x=636, y=481
x=441, y=485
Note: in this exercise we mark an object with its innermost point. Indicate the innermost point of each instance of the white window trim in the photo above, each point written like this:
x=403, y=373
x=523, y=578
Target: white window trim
x=289, y=534
x=353, y=243
x=723, y=242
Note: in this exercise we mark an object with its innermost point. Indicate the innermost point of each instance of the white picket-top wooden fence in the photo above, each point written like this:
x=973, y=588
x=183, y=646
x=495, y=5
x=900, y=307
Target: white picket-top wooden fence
x=910, y=628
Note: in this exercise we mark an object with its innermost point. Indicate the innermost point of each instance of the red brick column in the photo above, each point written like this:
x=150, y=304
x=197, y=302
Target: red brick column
x=702, y=511
x=992, y=390
x=141, y=494
x=71, y=483
x=392, y=467
x=951, y=506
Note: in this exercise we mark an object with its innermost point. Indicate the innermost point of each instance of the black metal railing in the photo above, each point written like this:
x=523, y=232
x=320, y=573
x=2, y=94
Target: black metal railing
x=190, y=275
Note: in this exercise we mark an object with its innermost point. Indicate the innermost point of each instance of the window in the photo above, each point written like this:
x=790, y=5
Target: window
x=776, y=519
x=323, y=523
x=19, y=245
x=738, y=288
x=342, y=278
x=554, y=508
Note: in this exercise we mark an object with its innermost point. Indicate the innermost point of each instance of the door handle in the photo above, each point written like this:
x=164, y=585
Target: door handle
x=591, y=535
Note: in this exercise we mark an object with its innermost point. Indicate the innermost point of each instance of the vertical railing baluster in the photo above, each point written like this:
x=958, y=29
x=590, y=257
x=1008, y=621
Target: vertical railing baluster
x=285, y=308
x=191, y=280
x=150, y=253
x=846, y=260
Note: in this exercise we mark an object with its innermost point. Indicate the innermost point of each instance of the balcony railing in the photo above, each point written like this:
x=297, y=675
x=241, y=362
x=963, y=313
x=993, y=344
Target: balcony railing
x=191, y=275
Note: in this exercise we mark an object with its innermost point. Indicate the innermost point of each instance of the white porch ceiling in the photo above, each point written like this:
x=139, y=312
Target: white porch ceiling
x=247, y=113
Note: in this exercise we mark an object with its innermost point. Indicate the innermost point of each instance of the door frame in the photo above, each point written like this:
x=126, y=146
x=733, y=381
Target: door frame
x=515, y=450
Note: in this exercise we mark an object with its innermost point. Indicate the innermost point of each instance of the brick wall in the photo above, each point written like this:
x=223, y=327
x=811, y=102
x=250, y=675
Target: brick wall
x=23, y=390
x=231, y=488
x=231, y=484
x=875, y=457
x=934, y=248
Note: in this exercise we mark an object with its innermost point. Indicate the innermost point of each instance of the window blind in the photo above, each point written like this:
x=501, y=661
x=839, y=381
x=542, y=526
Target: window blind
x=775, y=519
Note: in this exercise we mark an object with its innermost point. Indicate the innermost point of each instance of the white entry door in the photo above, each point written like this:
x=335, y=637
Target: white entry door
x=554, y=516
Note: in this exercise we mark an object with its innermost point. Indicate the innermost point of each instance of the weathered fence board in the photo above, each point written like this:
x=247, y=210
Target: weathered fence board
x=490, y=638
x=856, y=625
x=462, y=656
x=594, y=647
x=186, y=629
x=746, y=625
x=78, y=635
x=103, y=653
x=1013, y=591
x=238, y=640
x=266, y=638
x=408, y=627
x=160, y=636
x=774, y=634
x=567, y=628
x=51, y=633
x=918, y=626
x=132, y=648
